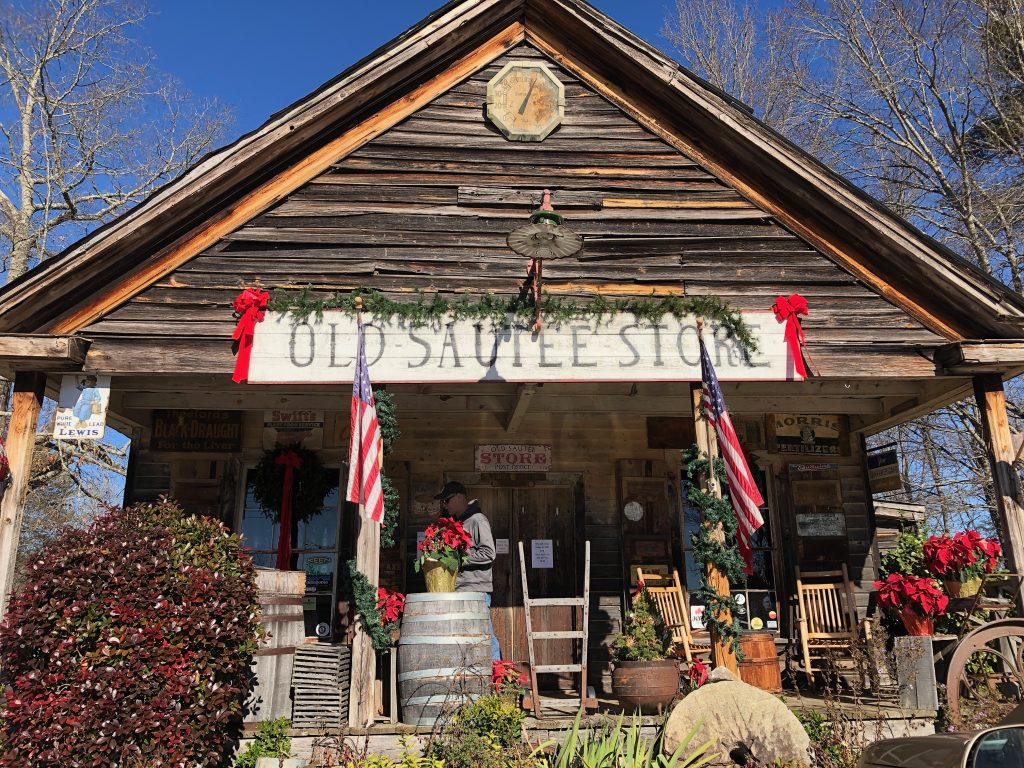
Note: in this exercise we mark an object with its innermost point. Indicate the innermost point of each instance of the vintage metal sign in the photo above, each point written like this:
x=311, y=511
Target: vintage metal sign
x=282, y=427
x=618, y=348
x=513, y=458
x=82, y=407
x=804, y=433
x=201, y=431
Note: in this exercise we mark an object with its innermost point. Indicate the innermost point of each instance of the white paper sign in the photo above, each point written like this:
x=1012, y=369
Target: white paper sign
x=697, y=617
x=82, y=407
x=618, y=348
x=542, y=553
x=420, y=537
x=501, y=546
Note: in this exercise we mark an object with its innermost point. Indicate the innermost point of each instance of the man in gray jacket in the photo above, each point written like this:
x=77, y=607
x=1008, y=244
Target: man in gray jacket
x=477, y=574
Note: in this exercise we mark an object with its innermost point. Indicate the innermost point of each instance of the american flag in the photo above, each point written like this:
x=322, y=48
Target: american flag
x=365, y=445
x=746, y=499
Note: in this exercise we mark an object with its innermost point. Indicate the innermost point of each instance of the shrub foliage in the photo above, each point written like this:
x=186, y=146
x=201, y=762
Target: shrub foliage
x=130, y=644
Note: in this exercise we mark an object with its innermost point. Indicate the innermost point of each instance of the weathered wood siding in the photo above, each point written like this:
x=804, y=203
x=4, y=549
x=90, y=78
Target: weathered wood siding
x=427, y=206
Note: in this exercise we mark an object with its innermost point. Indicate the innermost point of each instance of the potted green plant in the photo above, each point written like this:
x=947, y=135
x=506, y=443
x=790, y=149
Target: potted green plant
x=642, y=675
x=442, y=552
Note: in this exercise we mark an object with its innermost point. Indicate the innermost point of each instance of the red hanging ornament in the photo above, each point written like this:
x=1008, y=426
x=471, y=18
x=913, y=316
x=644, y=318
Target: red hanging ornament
x=250, y=307
x=788, y=310
x=291, y=462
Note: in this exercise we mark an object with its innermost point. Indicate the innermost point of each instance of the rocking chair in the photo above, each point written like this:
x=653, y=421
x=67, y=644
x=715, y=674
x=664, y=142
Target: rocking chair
x=668, y=595
x=828, y=623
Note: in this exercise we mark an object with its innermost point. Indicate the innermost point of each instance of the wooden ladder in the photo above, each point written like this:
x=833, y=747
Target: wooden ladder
x=587, y=698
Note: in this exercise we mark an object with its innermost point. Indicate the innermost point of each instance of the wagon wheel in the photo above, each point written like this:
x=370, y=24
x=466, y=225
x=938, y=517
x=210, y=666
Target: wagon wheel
x=985, y=642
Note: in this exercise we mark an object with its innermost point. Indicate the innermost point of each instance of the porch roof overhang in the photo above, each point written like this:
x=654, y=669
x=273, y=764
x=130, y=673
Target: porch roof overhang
x=1003, y=356
x=41, y=353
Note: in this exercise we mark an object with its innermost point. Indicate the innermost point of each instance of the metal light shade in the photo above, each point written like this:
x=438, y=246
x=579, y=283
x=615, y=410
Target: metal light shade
x=544, y=241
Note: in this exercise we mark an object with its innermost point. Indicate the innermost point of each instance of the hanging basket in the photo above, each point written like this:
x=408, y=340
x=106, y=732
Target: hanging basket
x=438, y=578
x=967, y=588
x=916, y=624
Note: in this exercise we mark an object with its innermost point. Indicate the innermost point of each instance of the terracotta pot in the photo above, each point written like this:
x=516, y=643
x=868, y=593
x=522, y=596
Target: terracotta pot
x=916, y=624
x=967, y=588
x=645, y=684
x=438, y=578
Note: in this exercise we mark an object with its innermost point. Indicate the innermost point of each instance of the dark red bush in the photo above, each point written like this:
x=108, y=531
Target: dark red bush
x=129, y=644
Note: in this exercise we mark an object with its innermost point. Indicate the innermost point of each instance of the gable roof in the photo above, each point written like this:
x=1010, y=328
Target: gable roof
x=911, y=270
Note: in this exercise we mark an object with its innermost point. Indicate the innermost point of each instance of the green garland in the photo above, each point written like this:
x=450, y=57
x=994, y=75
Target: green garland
x=363, y=595
x=312, y=483
x=388, y=421
x=432, y=307
x=726, y=558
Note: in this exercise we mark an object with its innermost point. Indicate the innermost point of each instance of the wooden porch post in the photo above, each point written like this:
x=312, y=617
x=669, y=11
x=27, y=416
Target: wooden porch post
x=361, y=708
x=707, y=442
x=988, y=391
x=21, y=440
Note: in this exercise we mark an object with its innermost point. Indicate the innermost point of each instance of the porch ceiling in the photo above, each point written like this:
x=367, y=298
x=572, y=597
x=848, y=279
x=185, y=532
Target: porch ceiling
x=868, y=402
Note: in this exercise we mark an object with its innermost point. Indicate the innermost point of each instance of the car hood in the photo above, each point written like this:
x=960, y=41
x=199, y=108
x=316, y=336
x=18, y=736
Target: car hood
x=941, y=750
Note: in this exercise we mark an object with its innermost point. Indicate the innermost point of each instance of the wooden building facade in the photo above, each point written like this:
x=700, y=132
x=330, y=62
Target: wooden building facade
x=395, y=178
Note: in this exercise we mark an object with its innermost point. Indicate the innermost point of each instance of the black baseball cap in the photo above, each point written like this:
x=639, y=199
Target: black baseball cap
x=450, y=489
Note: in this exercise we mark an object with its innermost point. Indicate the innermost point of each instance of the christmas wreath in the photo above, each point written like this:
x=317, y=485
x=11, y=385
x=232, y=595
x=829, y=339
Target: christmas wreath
x=310, y=484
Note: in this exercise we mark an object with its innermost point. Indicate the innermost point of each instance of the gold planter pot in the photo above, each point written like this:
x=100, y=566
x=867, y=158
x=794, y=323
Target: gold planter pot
x=438, y=578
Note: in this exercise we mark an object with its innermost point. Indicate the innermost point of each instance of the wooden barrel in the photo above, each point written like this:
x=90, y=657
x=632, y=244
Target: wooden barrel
x=760, y=664
x=280, y=596
x=444, y=654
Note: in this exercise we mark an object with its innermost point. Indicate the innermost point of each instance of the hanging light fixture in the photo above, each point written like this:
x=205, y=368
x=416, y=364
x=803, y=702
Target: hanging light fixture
x=545, y=237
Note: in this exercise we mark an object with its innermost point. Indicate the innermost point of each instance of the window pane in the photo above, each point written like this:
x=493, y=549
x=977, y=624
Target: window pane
x=763, y=576
x=257, y=530
x=321, y=531
x=692, y=575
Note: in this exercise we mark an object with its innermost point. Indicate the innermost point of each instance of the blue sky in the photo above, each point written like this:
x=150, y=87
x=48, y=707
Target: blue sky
x=260, y=56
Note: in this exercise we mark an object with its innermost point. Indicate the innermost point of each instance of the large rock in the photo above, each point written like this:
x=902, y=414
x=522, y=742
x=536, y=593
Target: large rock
x=737, y=714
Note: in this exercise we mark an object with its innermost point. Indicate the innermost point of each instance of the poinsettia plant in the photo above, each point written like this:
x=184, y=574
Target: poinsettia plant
x=697, y=674
x=390, y=606
x=445, y=541
x=962, y=556
x=508, y=679
x=899, y=592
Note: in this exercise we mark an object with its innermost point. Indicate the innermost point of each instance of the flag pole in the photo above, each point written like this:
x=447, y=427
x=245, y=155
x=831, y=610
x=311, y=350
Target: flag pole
x=707, y=443
x=362, y=695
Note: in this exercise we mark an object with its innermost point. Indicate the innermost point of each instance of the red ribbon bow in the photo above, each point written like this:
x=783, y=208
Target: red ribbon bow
x=291, y=462
x=250, y=306
x=788, y=310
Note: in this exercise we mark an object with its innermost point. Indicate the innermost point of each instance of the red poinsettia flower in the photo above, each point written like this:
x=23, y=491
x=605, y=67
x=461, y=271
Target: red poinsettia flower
x=446, y=541
x=898, y=592
x=697, y=674
x=504, y=673
x=390, y=604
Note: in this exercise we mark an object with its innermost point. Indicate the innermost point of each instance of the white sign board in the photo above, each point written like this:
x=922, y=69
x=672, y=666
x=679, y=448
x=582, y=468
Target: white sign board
x=501, y=546
x=513, y=458
x=282, y=427
x=618, y=348
x=82, y=407
x=542, y=553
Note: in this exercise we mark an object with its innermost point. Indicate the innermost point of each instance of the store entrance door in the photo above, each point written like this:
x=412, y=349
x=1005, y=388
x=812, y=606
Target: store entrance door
x=543, y=516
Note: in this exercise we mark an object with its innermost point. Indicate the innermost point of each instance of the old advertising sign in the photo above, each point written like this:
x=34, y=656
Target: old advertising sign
x=884, y=471
x=201, y=431
x=617, y=348
x=513, y=458
x=808, y=434
x=290, y=427
x=82, y=407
